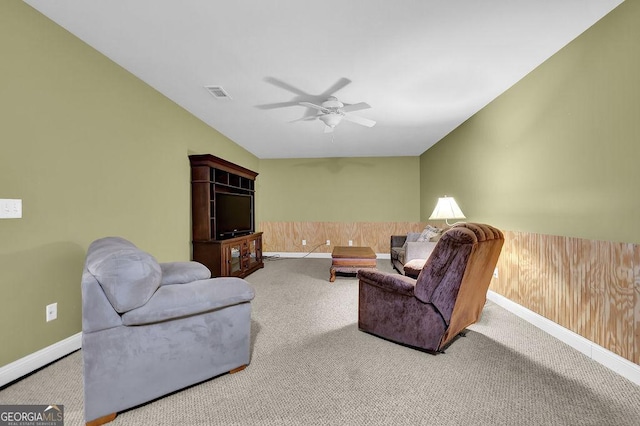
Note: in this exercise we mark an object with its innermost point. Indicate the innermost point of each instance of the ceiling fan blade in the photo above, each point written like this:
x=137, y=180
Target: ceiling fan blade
x=277, y=105
x=336, y=86
x=359, y=120
x=328, y=129
x=314, y=106
x=305, y=118
x=356, y=107
x=285, y=86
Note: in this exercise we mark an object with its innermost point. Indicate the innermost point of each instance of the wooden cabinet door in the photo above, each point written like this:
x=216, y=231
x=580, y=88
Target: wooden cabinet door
x=254, y=252
x=233, y=259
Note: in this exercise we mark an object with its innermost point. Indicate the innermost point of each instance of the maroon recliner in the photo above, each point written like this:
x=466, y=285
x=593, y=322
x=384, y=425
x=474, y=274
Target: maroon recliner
x=449, y=294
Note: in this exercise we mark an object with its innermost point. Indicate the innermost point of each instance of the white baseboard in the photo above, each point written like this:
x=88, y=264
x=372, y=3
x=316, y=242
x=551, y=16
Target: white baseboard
x=32, y=362
x=297, y=255
x=614, y=362
x=315, y=255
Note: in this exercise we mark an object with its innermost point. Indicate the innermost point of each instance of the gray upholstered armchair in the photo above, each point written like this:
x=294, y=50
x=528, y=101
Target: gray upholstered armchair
x=151, y=328
x=448, y=295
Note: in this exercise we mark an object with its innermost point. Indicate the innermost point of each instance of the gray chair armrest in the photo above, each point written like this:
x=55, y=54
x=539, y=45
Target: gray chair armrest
x=179, y=301
x=183, y=272
x=419, y=250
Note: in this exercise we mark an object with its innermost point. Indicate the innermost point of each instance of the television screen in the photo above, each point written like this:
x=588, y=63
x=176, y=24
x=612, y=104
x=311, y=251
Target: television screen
x=234, y=214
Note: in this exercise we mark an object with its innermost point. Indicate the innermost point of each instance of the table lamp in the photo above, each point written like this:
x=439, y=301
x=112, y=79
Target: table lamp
x=446, y=209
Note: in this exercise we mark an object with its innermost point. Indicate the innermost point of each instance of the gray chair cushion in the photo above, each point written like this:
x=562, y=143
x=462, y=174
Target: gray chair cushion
x=104, y=246
x=128, y=277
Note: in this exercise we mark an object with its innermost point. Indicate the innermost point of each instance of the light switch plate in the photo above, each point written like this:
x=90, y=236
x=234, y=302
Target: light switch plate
x=10, y=208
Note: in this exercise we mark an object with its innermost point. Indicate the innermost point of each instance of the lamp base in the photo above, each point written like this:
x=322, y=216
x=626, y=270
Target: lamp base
x=451, y=224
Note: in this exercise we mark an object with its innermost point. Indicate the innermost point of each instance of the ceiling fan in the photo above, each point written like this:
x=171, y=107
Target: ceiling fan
x=327, y=107
x=331, y=112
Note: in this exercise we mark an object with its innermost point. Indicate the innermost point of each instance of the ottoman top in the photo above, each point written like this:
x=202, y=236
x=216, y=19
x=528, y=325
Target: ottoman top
x=353, y=252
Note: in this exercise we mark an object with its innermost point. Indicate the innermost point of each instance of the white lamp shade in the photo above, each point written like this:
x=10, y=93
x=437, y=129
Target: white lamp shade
x=447, y=208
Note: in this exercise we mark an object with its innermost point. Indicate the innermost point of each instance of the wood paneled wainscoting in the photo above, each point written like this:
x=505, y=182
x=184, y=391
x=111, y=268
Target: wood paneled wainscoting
x=589, y=287
x=286, y=237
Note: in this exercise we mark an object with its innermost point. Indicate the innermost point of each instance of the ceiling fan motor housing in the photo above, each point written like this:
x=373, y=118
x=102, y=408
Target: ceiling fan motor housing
x=333, y=103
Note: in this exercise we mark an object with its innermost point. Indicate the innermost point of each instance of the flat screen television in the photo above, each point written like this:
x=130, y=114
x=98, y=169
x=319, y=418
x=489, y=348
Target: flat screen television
x=234, y=214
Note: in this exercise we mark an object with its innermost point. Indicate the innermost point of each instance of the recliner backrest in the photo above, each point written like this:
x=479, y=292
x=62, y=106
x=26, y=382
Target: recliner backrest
x=472, y=294
x=457, y=276
x=441, y=277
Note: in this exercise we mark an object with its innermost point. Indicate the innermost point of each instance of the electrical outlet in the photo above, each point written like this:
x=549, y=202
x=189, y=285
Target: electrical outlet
x=304, y=242
x=350, y=242
x=328, y=242
x=52, y=311
x=495, y=273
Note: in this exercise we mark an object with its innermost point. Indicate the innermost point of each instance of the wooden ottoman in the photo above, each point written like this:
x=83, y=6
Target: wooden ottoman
x=351, y=259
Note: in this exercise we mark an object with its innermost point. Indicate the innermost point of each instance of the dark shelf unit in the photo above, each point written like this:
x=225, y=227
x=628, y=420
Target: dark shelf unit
x=224, y=253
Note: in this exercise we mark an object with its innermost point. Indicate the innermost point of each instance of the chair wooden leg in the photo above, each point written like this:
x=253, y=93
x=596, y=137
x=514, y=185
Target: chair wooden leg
x=235, y=370
x=102, y=420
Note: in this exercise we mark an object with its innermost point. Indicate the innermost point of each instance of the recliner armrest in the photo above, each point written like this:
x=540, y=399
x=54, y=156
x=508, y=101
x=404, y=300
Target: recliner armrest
x=389, y=282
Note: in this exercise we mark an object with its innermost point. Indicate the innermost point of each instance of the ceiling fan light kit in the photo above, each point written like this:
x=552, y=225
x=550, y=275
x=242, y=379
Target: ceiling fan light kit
x=332, y=111
x=331, y=120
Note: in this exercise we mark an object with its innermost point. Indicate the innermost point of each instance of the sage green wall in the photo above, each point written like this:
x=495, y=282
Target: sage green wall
x=92, y=151
x=558, y=153
x=371, y=189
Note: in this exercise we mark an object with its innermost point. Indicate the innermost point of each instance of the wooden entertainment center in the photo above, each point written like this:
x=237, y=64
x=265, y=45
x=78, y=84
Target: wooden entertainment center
x=222, y=217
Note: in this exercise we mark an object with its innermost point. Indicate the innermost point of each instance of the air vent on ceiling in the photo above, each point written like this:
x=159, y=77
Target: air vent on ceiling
x=218, y=92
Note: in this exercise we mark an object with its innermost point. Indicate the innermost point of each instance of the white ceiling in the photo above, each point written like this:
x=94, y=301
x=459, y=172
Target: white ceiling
x=424, y=66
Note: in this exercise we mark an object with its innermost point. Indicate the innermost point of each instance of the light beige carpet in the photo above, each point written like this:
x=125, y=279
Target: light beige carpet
x=312, y=366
